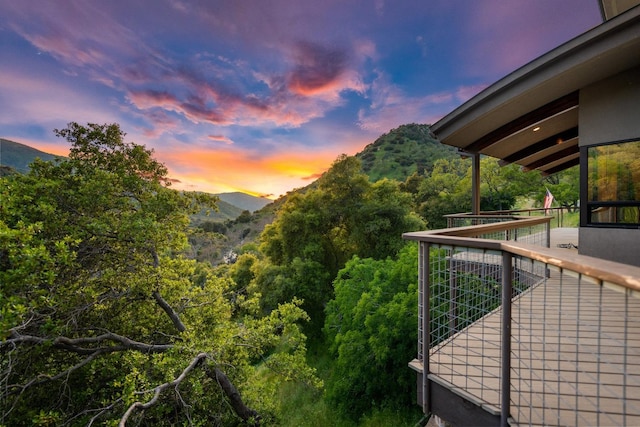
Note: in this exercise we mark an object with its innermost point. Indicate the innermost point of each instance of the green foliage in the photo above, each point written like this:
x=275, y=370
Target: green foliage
x=98, y=301
x=501, y=186
x=401, y=152
x=447, y=188
x=315, y=233
x=244, y=217
x=371, y=328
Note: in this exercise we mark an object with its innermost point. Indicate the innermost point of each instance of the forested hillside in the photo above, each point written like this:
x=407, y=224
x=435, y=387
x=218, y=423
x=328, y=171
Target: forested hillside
x=403, y=151
x=112, y=296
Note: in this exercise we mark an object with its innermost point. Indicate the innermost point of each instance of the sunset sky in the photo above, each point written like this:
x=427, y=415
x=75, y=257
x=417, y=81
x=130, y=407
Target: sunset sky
x=260, y=96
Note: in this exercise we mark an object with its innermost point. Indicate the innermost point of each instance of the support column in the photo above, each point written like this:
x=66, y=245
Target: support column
x=475, y=184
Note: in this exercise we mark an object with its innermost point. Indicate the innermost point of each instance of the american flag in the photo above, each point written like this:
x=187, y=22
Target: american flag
x=548, y=199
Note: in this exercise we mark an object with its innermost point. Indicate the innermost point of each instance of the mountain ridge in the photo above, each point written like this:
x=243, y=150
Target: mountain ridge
x=20, y=156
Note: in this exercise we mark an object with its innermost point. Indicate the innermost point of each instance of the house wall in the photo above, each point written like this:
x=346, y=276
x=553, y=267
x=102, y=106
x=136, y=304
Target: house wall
x=610, y=111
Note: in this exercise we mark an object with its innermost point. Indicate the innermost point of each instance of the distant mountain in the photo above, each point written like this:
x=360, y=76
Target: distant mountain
x=230, y=206
x=244, y=201
x=403, y=151
x=20, y=156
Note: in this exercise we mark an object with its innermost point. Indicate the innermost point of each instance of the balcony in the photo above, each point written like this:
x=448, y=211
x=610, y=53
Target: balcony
x=517, y=328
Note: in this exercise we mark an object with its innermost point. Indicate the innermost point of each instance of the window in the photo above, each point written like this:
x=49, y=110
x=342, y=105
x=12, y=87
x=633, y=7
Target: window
x=613, y=184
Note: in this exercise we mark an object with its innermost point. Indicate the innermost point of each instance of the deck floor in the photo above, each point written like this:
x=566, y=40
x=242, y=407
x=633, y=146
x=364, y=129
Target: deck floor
x=573, y=347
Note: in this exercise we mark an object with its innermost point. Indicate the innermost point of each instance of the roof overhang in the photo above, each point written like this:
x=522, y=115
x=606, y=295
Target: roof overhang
x=530, y=117
x=612, y=8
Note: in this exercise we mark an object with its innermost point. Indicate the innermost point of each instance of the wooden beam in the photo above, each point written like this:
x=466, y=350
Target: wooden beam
x=561, y=167
x=540, y=146
x=569, y=151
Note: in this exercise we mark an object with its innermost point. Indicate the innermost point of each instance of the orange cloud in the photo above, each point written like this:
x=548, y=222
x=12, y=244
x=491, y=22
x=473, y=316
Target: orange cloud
x=61, y=149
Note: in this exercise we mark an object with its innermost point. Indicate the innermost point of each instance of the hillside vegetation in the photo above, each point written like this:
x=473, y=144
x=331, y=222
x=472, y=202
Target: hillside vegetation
x=403, y=151
x=20, y=156
x=16, y=157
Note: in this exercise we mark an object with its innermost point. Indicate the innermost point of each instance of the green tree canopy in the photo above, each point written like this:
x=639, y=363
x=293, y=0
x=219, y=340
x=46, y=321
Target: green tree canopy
x=371, y=330
x=315, y=233
x=565, y=187
x=101, y=317
x=447, y=188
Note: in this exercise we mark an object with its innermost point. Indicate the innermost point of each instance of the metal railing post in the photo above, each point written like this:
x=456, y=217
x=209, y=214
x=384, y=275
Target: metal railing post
x=505, y=398
x=548, y=231
x=423, y=280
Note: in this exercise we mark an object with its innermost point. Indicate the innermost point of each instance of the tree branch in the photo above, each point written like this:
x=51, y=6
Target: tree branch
x=159, y=389
x=170, y=312
x=243, y=411
x=75, y=344
x=161, y=301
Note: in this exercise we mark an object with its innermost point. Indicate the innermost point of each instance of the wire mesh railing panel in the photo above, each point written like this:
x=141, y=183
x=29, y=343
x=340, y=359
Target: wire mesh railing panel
x=466, y=220
x=533, y=235
x=490, y=217
x=575, y=354
x=465, y=293
x=423, y=282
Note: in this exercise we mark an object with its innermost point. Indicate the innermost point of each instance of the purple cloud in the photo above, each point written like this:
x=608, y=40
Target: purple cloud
x=316, y=68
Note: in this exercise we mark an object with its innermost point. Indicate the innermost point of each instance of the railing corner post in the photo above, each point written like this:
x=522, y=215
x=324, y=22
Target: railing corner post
x=423, y=280
x=507, y=286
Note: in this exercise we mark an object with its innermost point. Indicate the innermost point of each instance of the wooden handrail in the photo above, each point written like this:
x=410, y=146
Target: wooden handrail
x=476, y=230
x=624, y=275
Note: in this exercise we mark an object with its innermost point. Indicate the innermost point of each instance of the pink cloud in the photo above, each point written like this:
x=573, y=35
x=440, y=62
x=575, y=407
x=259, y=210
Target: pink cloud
x=202, y=88
x=220, y=138
x=36, y=98
x=390, y=106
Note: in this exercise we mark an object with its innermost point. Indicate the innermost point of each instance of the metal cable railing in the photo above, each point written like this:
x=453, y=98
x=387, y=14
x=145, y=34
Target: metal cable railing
x=533, y=335
x=489, y=217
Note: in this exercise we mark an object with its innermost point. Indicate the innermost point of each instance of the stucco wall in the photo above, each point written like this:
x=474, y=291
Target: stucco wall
x=614, y=244
x=610, y=111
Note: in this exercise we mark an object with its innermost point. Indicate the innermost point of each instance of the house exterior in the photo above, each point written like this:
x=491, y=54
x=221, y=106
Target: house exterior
x=577, y=104
x=511, y=330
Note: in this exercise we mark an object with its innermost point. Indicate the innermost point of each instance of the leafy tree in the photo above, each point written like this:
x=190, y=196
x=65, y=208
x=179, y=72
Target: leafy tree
x=306, y=280
x=371, y=329
x=317, y=232
x=446, y=190
x=500, y=186
x=101, y=317
x=244, y=217
x=345, y=215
